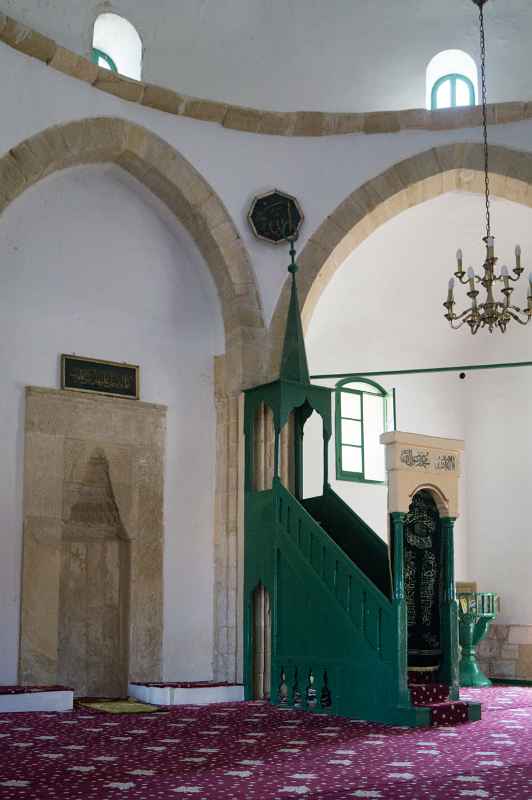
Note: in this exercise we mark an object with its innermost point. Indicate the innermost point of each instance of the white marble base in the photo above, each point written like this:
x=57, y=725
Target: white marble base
x=37, y=701
x=181, y=696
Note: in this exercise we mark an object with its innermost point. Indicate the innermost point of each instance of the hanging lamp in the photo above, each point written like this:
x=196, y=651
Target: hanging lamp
x=492, y=313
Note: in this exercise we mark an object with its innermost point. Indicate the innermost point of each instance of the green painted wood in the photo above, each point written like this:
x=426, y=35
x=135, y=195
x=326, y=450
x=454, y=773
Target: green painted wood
x=474, y=711
x=338, y=616
x=449, y=612
x=294, y=365
x=341, y=387
x=96, y=54
x=358, y=541
x=427, y=370
x=477, y=610
x=327, y=615
x=453, y=79
x=397, y=521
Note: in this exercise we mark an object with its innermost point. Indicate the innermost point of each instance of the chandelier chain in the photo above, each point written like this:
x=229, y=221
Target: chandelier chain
x=484, y=118
x=493, y=312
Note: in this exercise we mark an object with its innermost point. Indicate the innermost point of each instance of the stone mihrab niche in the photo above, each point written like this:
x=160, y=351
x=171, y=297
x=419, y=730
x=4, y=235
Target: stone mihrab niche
x=91, y=614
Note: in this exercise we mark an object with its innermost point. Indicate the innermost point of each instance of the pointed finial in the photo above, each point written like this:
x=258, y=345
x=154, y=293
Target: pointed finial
x=294, y=366
x=292, y=267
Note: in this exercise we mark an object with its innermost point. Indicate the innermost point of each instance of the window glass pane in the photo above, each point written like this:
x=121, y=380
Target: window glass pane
x=350, y=405
x=118, y=38
x=351, y=432
x=103, y=63
x=373, y=427
x=462, y=93
x=352, y=459
x=390, y=421
x=361, y=386
x=443, y=95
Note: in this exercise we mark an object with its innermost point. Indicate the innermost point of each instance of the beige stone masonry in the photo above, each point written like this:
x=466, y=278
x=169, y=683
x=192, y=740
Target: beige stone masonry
x=415, y=462
x=252, y=120
x=506, y=652
x=92, y=584
x=76, y=66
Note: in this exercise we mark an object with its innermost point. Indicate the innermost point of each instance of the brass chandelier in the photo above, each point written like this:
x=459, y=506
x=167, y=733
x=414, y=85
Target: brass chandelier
x=492, y=313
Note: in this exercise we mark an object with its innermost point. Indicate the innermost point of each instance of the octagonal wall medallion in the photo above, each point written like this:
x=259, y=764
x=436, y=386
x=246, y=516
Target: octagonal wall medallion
x=275, y=217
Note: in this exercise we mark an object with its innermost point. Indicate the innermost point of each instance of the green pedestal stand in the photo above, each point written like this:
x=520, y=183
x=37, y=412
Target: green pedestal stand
x=477, y=610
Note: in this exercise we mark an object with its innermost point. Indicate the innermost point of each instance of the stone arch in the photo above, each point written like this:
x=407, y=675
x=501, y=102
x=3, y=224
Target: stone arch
x=166, y=173
x=454, y=167
x=437, y=494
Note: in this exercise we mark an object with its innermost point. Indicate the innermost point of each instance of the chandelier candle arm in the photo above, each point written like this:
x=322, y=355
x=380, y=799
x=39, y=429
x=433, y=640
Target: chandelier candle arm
x=518, y=269
x=491, y=313
x=450, y=293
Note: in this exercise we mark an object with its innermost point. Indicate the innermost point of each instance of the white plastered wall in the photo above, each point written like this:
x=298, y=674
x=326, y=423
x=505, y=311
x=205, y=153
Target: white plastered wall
x=320, y=171
x=403, y=268
x=92, y=264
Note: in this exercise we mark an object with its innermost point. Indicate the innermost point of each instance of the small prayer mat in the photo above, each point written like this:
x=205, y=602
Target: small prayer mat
x=119, y=706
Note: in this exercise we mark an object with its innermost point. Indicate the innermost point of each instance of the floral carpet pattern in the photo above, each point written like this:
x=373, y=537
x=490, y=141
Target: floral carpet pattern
x=253, y=751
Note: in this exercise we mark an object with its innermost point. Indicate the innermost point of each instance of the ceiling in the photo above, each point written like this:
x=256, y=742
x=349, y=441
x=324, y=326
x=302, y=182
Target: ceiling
x=339, y=55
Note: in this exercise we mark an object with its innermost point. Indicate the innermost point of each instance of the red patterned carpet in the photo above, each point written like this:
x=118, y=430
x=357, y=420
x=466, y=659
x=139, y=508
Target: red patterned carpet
x=252, y=751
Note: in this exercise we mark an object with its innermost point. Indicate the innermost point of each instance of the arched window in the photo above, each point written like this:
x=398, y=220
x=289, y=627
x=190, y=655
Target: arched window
x=117, y=46
x=452, y=80
x=452, y=91
x=363, y=409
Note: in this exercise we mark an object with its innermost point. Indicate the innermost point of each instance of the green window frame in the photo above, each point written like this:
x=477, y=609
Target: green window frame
x=453, y=78
x=353, y=419
x=96, y=54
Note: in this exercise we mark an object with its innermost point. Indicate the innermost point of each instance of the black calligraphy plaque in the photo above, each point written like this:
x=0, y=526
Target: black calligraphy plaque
x=103, y=377
x=275, y=217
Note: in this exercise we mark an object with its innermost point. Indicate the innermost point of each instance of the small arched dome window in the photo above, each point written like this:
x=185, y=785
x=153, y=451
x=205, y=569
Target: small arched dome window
x=452, y=80
x=117, y=46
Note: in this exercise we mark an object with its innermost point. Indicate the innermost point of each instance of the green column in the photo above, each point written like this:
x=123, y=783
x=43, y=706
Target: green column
x=399, y=604
x=298, y=455
x=326, y=439
x=276, y=453
x=449, y=611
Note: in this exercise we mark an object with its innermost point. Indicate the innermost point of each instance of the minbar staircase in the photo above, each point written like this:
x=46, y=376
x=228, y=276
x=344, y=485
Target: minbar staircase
x=338, y=633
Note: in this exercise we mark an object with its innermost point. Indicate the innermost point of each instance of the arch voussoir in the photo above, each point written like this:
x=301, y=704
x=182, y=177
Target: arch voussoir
x=167, y=174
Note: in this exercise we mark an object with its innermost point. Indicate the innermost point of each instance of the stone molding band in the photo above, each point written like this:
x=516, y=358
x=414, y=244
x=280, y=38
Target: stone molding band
x=251, y=120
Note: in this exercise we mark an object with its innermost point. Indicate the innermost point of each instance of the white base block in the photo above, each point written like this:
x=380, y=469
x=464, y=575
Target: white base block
x=37, y=701
x=181, y=696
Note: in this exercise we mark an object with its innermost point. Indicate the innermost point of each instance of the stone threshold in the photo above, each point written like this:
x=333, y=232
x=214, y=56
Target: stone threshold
x=242, y=118
x=35, y=698
x=176, y=694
